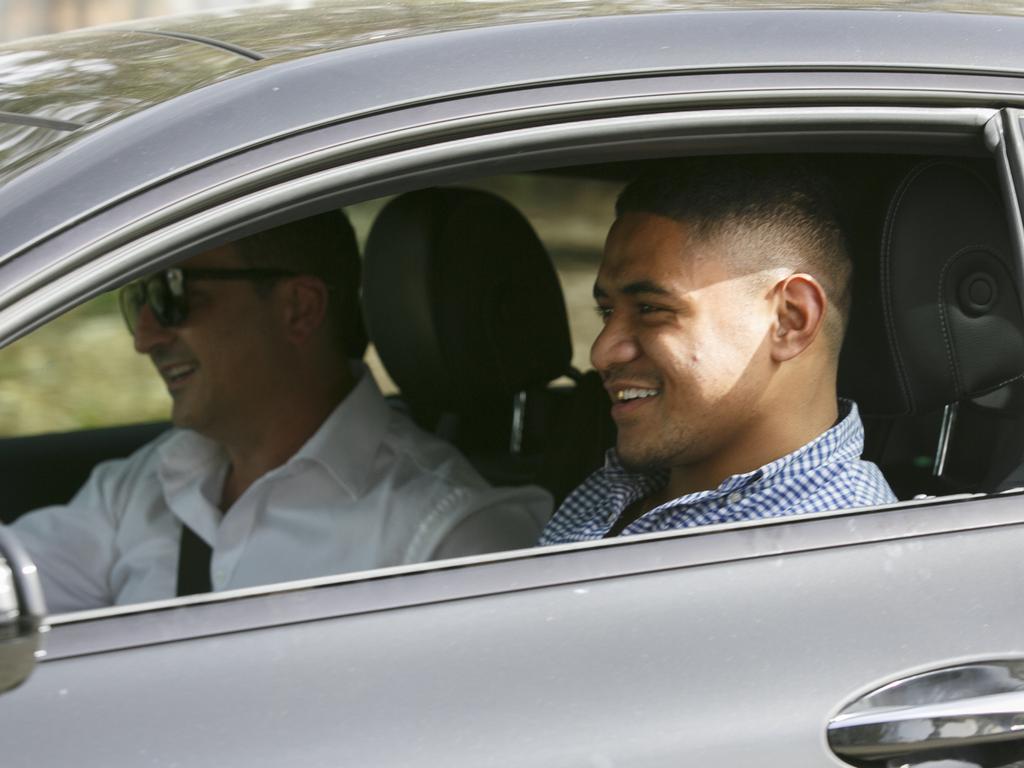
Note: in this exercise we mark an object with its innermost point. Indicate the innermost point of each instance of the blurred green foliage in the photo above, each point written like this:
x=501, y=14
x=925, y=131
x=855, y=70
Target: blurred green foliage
x=79, y=371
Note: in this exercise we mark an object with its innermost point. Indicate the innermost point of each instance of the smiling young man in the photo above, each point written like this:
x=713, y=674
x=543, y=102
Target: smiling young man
x=285, y=461
x=724, y=291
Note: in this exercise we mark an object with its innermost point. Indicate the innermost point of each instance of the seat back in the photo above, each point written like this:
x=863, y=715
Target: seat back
x=937, y=318
x=467, y=314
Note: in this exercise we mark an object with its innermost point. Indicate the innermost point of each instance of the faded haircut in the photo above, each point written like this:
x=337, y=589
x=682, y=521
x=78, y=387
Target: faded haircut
x=778, y=203
x=323, y=246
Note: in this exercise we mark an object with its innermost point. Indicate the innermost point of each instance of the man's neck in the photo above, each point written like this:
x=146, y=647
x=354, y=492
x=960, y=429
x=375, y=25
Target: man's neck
x=271, y=441
x=793, y=412
x=782, y=433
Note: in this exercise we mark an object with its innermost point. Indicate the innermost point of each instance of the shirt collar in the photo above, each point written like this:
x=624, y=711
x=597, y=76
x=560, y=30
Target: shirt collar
x=843, y=441
x=345, y=444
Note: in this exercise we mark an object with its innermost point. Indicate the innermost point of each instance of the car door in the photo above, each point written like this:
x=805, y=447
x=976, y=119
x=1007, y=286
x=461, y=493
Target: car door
x=731, y=645
x=728, y=646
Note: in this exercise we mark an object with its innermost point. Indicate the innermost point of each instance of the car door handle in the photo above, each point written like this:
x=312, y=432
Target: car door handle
x=970, y=714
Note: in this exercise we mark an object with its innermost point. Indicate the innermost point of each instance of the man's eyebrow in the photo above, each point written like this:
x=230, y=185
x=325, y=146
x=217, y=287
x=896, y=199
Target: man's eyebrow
x=638, y=288
x=644, y=286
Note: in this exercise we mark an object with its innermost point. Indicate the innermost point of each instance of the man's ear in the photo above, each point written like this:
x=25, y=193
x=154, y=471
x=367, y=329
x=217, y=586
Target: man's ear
x=304, y=306
x=799, y=315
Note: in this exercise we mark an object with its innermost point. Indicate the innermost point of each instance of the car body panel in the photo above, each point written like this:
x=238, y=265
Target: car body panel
x=276, y=100
x=89, y=80
x=289, y=29
x=723, y=647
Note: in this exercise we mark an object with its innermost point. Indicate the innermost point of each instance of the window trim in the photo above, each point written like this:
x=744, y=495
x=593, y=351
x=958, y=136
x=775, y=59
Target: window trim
x=362, y=170
x=365, y=168
x=146, y=624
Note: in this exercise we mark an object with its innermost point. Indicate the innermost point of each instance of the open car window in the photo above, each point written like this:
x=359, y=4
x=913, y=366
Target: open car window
x=85, y=398
x=531, y=439
x=78, y=373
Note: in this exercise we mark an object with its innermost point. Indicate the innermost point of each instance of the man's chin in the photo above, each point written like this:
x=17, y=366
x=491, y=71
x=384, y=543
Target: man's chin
x=639, y=460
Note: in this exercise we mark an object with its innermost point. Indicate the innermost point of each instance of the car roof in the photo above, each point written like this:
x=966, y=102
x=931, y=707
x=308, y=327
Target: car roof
x=285, y=29
x=88, y=117
x=61, y=83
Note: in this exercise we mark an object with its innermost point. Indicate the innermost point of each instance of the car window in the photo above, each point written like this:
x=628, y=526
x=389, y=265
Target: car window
x=78, y=372
x=78, y=391
x=570, y=214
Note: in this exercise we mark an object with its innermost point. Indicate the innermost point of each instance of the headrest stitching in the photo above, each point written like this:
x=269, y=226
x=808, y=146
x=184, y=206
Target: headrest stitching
x=887, y=309
x=1000, y=385
x=947, y=336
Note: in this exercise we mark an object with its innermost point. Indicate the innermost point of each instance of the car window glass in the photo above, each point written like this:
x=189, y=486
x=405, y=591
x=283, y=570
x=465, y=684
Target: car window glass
x=81, y=371
x=571, y=216
x=78, y=372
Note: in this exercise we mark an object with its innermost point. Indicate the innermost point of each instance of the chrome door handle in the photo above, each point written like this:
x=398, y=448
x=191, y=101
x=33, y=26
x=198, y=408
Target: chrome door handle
x=973, y=714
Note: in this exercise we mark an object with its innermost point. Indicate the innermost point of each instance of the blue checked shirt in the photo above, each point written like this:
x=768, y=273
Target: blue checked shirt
x=825, y=474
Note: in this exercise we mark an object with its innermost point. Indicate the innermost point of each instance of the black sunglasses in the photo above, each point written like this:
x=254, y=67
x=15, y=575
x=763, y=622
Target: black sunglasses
x=167, y=295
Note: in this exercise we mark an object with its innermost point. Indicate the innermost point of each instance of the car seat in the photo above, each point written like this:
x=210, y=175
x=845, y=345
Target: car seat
x=936, y=324
x=467, y=315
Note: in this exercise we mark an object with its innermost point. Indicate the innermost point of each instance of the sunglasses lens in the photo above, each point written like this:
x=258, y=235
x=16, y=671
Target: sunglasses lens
x=131, y=298
x=168, y=309
x=159, y=299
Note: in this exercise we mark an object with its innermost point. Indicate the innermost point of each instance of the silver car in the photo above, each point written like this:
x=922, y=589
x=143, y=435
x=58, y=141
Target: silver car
x=868, y=637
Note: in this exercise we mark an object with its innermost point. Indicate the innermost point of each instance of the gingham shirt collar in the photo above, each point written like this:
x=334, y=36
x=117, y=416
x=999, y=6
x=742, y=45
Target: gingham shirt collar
x=787, y=485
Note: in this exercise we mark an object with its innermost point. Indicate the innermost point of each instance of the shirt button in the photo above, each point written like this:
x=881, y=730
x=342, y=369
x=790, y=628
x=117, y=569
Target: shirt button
x=734, y=497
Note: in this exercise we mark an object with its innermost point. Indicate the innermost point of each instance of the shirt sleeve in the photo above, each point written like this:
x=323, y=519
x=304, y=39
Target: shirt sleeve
x=74, y=545
x=487, y=520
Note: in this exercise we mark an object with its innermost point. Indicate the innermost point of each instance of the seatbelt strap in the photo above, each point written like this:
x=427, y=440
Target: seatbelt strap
x=193, y=564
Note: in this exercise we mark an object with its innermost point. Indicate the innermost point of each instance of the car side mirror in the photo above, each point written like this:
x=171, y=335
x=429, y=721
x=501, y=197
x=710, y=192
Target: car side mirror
x=22, y=612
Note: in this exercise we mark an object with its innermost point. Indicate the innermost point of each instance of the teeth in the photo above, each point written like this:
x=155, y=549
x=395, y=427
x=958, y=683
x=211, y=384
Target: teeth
x=177, y=371
x=634, y=394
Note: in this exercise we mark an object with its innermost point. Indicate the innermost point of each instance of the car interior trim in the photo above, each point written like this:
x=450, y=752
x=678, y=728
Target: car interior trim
x=1011, y=178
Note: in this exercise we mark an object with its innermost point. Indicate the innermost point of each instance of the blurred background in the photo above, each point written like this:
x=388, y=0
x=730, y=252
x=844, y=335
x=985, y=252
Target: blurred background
x=27, y=18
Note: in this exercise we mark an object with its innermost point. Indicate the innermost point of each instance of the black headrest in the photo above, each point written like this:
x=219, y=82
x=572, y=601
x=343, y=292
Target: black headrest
x=461, y=299
x=941, y=321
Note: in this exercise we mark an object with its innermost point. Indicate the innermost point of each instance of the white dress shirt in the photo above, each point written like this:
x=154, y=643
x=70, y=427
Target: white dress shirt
x=369, y=489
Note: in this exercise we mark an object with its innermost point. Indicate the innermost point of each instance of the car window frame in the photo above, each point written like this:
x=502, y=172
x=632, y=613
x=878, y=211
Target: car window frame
x=358, y=173
x=50, y=283
x=178, y=619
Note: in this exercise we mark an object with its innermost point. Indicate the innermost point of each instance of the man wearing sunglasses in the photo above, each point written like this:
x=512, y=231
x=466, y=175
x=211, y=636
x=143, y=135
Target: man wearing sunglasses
x=285, y=461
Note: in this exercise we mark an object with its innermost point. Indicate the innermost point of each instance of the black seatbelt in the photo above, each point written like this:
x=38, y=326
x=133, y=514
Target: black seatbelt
x=193, y=564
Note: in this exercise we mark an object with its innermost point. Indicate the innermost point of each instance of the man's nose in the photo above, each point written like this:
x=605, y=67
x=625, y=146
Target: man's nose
x=148, y=333
x=615, y=345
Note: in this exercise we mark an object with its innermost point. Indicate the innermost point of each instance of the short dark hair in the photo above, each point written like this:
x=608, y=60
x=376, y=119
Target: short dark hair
x=779, y=197
x=323, y=246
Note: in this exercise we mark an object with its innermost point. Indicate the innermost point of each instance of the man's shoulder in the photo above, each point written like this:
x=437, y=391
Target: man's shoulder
x=143, y=460
x=406, y=442
x=841, y=485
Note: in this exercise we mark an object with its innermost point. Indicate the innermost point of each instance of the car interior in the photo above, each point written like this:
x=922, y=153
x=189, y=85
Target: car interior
x=465, y=309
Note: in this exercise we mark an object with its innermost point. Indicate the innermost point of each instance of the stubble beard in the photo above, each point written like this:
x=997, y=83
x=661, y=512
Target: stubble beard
x=659, y=453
